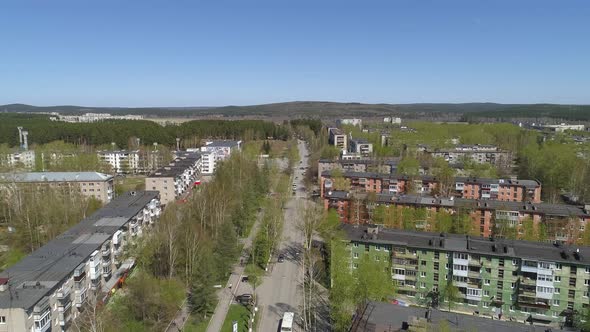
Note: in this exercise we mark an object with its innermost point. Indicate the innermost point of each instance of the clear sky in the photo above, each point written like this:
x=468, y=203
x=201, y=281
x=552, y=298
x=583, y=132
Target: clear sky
x=216, y=52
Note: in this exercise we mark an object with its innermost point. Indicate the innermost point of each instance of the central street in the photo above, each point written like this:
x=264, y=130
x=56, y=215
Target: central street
x=281, y=288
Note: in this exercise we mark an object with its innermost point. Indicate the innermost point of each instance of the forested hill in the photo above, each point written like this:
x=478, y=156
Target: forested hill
x=471, y=111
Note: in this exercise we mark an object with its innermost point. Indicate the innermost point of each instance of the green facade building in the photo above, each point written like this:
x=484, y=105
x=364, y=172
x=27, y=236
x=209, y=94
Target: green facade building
x=520, y=280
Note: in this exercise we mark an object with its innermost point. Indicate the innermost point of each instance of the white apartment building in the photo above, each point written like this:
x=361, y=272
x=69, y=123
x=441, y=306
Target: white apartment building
x=24, y=159
x=214, y=151
x=352, y=122
x=121, y=161
x=92, y=117
x=46, y=290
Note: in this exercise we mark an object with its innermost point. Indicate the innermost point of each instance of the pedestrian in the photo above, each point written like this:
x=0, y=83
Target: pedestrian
x=230, y=285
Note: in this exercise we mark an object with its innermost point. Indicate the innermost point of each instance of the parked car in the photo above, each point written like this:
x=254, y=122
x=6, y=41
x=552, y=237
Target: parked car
x=244, y=298
x=245, y=279
x=281, y=258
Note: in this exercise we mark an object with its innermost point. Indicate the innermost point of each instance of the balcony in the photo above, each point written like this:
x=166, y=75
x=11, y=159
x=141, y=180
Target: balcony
x=528, y=281
x=63, y=293
x=405, y=254
x=474, y=274
x=474, y=262
x=531, y=293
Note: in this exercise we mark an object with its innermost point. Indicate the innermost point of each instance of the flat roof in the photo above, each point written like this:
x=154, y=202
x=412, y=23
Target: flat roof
x=54, y=177
x=222, y=143
x=42, y=272
x=177, y=166
x=537, y=251
x=392, y=316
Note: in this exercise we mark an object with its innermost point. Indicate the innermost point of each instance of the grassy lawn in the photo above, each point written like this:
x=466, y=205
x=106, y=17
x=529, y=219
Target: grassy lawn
x=239, y=313
x=193, y=326
x=254, y=148
x=129, y=183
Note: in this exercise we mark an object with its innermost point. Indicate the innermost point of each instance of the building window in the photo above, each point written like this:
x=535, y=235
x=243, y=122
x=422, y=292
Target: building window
x=556, y=302
x=557, y=278
x=514, y=262
x=556, y=290
x=355, y=244
x=423, y=263
x=486, y=293
x=422, y=274
x=586, y=282
x=377, y=258
x=436, y=256
x=378, y=248
x=2, y=319
x=355, y=266
x=487, y=281
x=587, y=269
x=558, y=266
x=422, y=285
x=356, y=255
x=513, y=284
x=585, y=294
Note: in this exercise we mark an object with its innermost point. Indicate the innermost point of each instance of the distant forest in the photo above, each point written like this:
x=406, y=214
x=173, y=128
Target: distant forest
x=327, y=110
x=42, y=130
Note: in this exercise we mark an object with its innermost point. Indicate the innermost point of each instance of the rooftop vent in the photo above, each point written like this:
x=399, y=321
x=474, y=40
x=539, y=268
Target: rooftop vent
x=494, y=247
x=430, y=242
x=505, y=249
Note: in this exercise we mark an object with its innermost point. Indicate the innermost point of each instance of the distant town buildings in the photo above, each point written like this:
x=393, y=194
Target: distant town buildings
x=19, y=159
x=477, y=153
x=215, y=151
x=90, y=184
x=387, y=166
x=351, y=122
x=92, y=117
x=560, y=128
x=175, y=179
x=46, y=290
x=392, y=120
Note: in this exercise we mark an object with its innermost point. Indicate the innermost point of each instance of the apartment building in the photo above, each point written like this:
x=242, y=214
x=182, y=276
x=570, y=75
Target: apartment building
x=360, y=146
x=90, y=184
x=350, y=122
x=511, y=190
x=476, y=153
x=121, y=161
x=338, y=138
x=524, y=281
x=175, y=179
x=386, y=166
x=47, y=290
x=215, y=151
x=19, y=159
x=560, y=222
x=92, y=117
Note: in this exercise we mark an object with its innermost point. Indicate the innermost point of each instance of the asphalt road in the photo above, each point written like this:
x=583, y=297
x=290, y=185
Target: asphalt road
x=280, y=289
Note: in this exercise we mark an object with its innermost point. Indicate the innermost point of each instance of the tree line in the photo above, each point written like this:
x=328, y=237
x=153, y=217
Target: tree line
x=42, y=130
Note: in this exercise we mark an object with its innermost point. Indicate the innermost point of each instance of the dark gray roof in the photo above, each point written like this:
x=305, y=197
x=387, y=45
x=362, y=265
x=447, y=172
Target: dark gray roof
x=476, y=245
x=56, y=261
x=177, y=166
x=392, y=315
x=392, y=162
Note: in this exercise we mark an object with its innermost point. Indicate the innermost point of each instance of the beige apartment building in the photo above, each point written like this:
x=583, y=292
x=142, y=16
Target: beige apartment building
x=90, y=184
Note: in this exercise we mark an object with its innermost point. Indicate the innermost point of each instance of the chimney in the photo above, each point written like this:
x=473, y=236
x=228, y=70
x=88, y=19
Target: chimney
x=25, y=140
x=20, y=136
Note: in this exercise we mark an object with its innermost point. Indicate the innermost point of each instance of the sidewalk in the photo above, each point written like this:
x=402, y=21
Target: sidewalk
x=227, y=295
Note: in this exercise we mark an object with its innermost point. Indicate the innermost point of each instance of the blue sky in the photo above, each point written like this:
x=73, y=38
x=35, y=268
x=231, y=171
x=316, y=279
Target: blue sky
x=195, y=53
